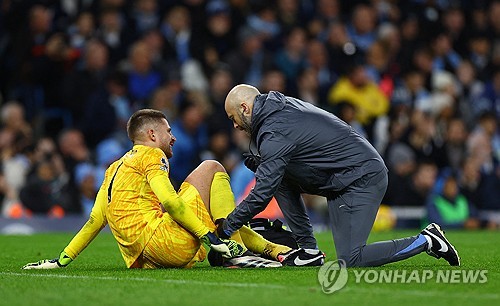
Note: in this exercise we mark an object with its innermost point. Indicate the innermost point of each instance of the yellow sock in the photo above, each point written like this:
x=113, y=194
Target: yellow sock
x=258, y=244
x=222, y=200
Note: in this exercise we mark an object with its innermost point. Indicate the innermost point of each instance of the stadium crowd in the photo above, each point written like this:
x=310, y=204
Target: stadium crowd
x=419, y=79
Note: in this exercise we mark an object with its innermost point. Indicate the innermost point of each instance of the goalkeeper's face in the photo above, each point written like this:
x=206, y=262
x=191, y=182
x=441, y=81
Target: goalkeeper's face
x=166, y=139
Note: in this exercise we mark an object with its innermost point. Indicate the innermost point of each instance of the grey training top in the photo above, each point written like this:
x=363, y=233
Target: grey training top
x=305, y=147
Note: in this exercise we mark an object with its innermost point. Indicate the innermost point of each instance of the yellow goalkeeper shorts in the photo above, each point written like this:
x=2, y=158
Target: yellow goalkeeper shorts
x=171, y=244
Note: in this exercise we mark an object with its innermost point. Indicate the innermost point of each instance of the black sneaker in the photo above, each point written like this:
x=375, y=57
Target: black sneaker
x=440, y=246
x=302, y=257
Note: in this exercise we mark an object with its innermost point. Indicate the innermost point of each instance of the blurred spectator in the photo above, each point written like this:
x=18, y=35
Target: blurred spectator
x=217, y=39
x=413, y=189
x=409, y=41
x=107, y=110
x=390, y=37
x=347, y=112
x=441, y=103
x=289, y=14
x=273, y=79
x=469, y=90
x=340, y=48
x=489, y=193
x=264, y=22
x=112, y=31
x=445, y=58
x=479, y=18
x=219, y=149
x=25, y=53
x=362, y=28
x=106, y=152
x=220, y=84
x=51, y=69
x=318, y=65
x=386, y=11
x=9, y=200
x=191, y=137
x=420, y=138
x=357, y=89
x=291, y=58
x=143, y=78
x=85, y=178
x=16, y=139
x=73, y=149
x=489, y=100
x=327, y=11
x=494, y=20
x=48, y=189
x=377, y=61
x=308, y=87
x=448, y=207
x=167, y=98
x=410, y=90
x=78, y=85
x=144, y=16
x=156, y=45
x=455, y=146
x=422, y=61
x=483, y=148
x=479, y=54
x=453, y=21
x=392, y=129
x=469, y=178
x=484, y=141
x=13, y=121
x=176, y=30
x=250, y=60
x=401, y=161
x=81, y=31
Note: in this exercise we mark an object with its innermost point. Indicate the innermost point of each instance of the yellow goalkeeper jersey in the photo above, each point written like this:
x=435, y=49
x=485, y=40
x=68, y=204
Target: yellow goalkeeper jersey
x=129, y=201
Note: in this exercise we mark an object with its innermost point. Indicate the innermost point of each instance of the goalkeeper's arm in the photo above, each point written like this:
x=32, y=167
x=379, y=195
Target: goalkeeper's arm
x=82, y=239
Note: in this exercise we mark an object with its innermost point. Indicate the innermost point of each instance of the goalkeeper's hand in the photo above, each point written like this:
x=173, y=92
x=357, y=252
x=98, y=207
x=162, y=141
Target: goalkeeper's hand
x=228, y=248
x=60, y=262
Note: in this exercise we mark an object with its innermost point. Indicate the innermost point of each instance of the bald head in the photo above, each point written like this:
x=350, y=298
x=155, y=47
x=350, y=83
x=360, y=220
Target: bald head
x=241, y=93
x=239, y=105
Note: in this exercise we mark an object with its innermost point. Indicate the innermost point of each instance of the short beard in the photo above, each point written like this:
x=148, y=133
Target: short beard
x=245, y=124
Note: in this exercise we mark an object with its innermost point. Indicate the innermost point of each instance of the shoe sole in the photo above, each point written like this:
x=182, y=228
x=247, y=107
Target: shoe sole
x=446, y=240
x=251, y=262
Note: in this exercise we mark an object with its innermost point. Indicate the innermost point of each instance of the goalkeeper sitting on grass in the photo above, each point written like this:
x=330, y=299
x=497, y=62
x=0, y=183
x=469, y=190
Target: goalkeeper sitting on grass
x=157, y=227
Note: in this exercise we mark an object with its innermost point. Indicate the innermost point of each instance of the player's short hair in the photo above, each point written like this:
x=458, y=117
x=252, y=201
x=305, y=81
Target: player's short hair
x=140, y=119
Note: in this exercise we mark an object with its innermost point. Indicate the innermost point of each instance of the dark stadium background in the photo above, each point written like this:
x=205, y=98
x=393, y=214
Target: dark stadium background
x=420, y=79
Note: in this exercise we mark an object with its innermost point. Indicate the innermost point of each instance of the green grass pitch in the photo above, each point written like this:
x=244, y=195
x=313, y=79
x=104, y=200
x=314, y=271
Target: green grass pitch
x=99, y=277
